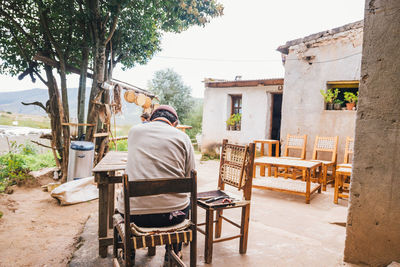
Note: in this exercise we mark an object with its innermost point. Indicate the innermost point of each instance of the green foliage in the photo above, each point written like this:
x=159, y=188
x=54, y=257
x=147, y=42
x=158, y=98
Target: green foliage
x=122, y=145
x=338, y=101
x=15, y=165
x=350, y=97
x=234, y=119
x=195, y=119
x=330, y=95
x=169, y=88
x=209, y=156
x=1, y=214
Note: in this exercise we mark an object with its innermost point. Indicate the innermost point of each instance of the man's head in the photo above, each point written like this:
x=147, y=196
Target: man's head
x=167, y=112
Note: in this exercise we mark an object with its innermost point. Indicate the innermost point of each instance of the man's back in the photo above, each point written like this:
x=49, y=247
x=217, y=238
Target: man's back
x=158, y=150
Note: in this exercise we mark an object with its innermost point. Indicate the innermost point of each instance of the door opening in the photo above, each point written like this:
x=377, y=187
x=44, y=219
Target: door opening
x=276, y=116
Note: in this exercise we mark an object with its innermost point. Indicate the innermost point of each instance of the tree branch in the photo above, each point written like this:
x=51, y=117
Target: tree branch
x=114, y=25
x=36, y=103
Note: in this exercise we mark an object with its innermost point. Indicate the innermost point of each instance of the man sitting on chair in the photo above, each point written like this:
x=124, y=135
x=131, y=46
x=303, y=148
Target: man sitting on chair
x=158, y=150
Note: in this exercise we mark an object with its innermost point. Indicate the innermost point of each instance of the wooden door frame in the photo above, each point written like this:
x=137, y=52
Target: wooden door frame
x=271, y=111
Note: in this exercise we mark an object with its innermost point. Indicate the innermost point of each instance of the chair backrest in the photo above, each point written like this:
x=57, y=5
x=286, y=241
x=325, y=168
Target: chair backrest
x=349, y=150
x=326, y=144
x=296, y=142
x=236, y=167
x=148, y=187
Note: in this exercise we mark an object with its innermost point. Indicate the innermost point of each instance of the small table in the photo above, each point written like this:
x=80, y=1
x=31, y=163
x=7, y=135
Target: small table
x=270, y=143
x=342, y=186
x=105, y=177
x=288, y=185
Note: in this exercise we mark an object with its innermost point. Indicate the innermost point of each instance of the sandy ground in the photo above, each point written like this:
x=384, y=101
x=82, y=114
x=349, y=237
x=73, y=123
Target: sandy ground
x=36, y=231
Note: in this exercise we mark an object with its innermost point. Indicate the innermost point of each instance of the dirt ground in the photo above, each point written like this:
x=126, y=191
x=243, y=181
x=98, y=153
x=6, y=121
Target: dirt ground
x=36, y=231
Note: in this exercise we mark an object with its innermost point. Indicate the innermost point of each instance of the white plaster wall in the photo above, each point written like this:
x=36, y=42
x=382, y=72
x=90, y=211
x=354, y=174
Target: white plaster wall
x=303, y=106
x=255, y=124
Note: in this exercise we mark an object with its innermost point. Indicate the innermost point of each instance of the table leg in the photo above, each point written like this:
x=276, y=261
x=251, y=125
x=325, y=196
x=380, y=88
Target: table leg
x=335, y=196
x=262, y=170
x=110, y=205
x=308, y=186
x=324, y=173
x=103, y=217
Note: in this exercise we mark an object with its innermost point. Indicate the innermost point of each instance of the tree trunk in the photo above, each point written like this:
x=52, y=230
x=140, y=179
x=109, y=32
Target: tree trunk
x=82, y=90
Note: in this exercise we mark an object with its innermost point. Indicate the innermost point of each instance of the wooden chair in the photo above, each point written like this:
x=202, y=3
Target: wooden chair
x=294, y=143
x=327, y=145
x=343, y=172
x=236, y=170
x=134, y=237
x=348, y=153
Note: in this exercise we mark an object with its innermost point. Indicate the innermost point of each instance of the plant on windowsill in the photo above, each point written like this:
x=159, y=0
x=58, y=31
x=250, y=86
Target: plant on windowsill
x=337, y=104
x=351, y=100
x=238, y=121
x=230, y=122
x=329, y=96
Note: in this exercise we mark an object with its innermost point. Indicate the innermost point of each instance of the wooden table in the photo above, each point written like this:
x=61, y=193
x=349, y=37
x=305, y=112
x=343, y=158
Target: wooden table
x=304, y=188
x=105, y=175
x=270, y=143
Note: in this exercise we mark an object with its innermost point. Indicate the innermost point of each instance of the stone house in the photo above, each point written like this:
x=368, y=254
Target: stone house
x=258, y=102
x=321, y=61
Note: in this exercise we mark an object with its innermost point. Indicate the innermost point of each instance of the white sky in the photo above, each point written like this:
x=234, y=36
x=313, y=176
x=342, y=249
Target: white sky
x=241, y=42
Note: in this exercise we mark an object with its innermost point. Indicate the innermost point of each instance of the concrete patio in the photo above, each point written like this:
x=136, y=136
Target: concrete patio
x=284, y=231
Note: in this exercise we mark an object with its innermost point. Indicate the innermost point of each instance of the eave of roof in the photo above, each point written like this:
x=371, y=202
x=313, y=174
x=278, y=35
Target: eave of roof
x=284, y=49
x=245, y=83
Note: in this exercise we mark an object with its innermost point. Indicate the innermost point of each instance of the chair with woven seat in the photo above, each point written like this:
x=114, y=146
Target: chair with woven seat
x=326, y=145
x=236, y=170
x=294, y=143
x=134, y=237
x=343, y=172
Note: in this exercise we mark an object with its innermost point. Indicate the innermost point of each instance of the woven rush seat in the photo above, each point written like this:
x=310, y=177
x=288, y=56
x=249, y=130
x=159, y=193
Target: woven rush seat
x=284, y=184
x=345, y=165
x=344, y=170
x=155, y=236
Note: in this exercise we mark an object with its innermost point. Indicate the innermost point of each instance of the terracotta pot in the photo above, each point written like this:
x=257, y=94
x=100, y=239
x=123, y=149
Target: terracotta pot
x=350, y=106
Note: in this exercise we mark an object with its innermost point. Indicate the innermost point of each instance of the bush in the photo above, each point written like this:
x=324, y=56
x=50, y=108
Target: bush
x=122, y=145
x=15, y=165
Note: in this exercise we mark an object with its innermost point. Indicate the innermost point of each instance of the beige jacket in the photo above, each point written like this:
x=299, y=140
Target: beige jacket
x=157, y=150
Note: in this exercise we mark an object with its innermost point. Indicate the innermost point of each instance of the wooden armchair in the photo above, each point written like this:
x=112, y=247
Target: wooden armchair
x=327, y=145
x=343, y=172
x=135, y=237
x=236, y=169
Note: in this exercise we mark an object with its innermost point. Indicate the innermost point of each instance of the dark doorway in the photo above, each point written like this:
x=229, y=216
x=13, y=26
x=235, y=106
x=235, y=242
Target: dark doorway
x=276, y=116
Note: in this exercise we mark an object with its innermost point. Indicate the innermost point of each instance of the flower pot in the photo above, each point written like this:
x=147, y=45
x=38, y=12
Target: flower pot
x=238, y=127
x=350, y=106
x=329, y=106
x=337, y=106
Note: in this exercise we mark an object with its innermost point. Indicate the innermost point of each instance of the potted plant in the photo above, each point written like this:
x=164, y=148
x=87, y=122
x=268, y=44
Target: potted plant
x=230, y=122
x=329, y=96
x=337, y=104
x=351, y=100
x=238, y=121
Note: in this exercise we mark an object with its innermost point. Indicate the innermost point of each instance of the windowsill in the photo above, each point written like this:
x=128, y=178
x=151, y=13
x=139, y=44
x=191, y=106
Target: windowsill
x=329, y=111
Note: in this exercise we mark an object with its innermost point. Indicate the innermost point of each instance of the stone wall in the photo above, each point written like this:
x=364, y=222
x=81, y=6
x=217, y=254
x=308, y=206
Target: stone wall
x=373, y=226
x=310, y=63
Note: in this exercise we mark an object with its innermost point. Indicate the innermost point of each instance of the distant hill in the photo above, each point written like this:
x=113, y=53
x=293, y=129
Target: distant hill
x=11, y=102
